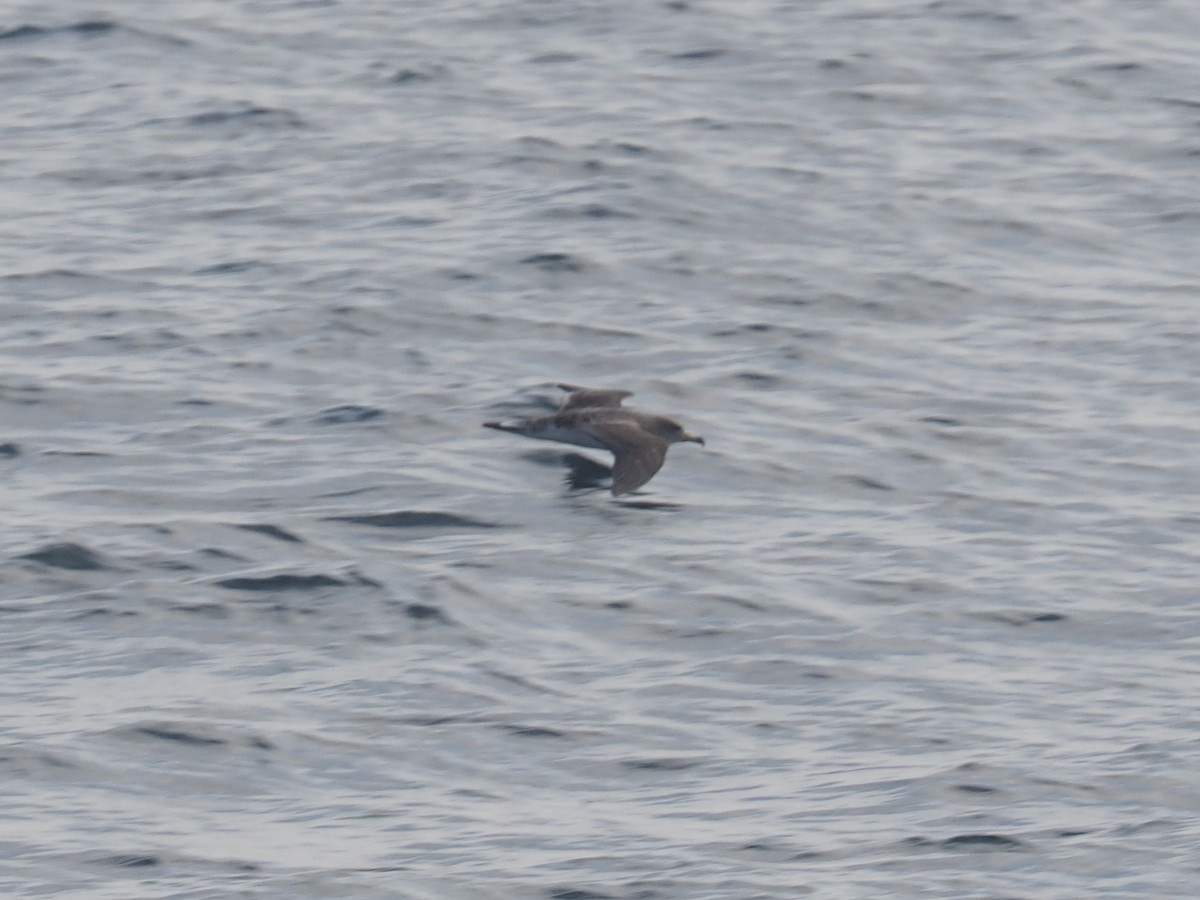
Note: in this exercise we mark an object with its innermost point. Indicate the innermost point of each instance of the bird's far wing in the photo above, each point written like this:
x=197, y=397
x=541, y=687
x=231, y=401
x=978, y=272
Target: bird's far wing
x=587, y=398
x=637, y=454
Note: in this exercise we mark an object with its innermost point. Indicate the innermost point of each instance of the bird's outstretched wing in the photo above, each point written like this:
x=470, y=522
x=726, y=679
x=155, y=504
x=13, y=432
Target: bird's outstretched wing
x=637, y=454
x=587, y=398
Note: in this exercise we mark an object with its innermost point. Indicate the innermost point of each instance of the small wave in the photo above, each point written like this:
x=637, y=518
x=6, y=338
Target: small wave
x=67, y=556
x=87, y=27
x=281, y=582
x=411, y=518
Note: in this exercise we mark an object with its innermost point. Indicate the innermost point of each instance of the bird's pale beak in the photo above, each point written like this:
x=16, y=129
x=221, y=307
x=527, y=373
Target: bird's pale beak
x=695, y=439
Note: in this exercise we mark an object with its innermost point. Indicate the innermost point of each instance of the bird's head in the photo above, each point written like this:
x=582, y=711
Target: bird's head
x=672, y=432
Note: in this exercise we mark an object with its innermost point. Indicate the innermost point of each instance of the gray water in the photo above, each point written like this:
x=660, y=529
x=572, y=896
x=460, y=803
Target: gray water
x=280, y=619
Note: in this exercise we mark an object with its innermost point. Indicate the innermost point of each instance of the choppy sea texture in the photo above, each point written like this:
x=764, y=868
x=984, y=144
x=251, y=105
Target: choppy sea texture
x=281, y=619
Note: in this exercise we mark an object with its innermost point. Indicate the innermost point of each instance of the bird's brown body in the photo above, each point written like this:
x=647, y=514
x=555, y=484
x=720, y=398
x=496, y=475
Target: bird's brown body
x=596, y=419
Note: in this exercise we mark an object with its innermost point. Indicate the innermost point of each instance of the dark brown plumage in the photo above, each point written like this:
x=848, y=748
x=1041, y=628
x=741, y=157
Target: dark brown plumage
x=593, y=418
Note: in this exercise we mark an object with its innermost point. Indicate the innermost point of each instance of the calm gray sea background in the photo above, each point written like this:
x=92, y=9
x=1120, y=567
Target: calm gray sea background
x=279, y=619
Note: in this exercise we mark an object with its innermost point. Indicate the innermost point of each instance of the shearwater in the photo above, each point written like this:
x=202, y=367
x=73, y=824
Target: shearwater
x=593, y=418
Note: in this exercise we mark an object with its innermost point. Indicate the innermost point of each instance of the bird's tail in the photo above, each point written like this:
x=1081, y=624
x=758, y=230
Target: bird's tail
x=513, y=427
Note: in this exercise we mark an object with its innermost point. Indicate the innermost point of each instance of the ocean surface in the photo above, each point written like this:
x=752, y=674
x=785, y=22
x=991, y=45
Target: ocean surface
x=279, y=619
